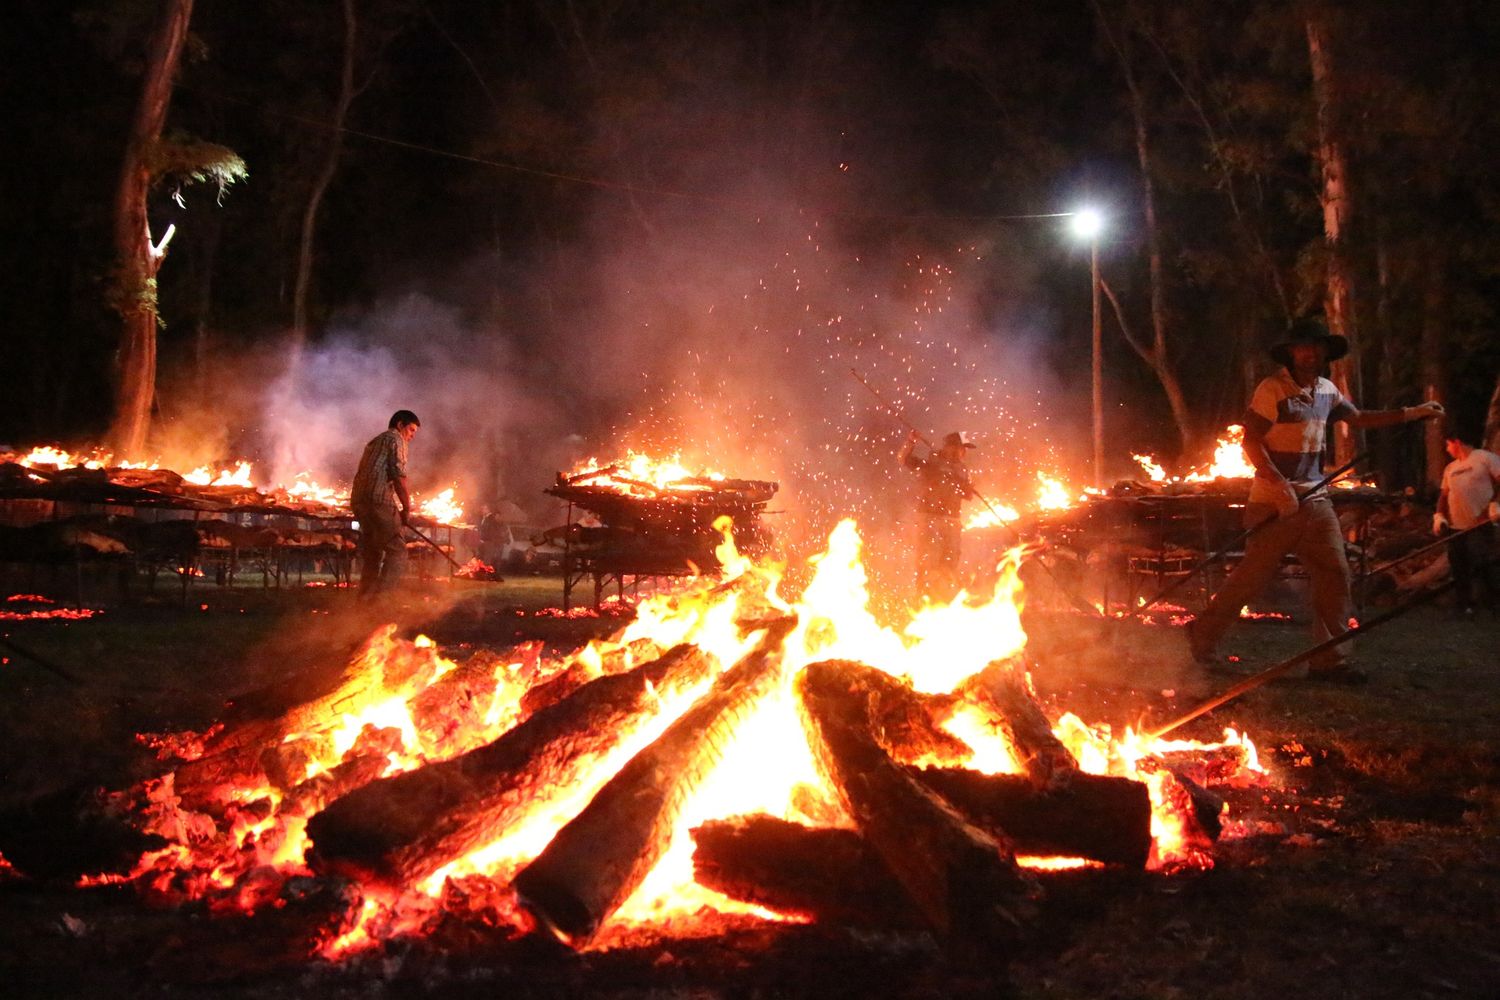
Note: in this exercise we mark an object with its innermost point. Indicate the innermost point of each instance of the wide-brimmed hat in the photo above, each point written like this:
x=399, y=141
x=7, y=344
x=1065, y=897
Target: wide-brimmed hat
x=1309, y=331
x=958, y=439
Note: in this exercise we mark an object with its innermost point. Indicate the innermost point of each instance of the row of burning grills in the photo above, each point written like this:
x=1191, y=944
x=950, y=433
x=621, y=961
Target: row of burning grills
x=905, y=839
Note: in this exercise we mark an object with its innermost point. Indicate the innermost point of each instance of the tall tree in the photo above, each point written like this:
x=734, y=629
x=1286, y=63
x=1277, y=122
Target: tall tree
x=324, y=177
x=1333, y=162
x=1155, y=354
x=148, y=158
x=364, y=41
x=138, y=257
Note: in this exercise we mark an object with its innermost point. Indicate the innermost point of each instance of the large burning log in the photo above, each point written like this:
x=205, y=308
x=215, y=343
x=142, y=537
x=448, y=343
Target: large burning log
x=406, y=827
x=964, y=880
x=1002, y=690
x=599, y=858
x=825, y=874
x=234, y=759
x=1089, y=816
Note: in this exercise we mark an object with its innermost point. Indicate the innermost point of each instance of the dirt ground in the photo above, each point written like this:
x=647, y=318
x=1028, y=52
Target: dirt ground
x=1367, y=867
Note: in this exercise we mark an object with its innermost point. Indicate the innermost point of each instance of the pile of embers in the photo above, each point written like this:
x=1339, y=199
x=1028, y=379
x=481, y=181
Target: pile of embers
x=592, y=793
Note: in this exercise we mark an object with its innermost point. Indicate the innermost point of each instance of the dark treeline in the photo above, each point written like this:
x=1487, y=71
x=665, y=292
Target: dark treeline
x=1200, y=127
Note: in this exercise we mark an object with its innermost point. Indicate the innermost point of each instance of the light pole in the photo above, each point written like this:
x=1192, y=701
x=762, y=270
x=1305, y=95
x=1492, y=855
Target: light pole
x=1088, y=224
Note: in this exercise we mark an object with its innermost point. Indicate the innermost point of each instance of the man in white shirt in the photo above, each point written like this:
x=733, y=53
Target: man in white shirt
x=1471, y=484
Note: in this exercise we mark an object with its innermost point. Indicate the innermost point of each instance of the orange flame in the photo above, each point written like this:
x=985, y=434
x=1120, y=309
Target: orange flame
x=442, y=508
x=765, y=762
x=1051, y=494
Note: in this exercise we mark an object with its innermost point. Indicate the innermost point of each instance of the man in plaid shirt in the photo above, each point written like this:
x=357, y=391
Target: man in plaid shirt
x=378, y=486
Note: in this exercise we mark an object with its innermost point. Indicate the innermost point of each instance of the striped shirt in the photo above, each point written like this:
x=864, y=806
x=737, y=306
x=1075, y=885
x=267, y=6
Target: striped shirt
x=383, y=462
x=1293, y=422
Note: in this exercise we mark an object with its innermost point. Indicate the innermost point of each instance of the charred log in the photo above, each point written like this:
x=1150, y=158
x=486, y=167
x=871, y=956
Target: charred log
x=905, y=721
x=406, y=827
x=827, y=875
x=1089, y=816
x=234, y=758
x=1002, y=690
x=581, y=672
x=963, y=880
x=1208, y=807
x=458, y=702
x=599, y=858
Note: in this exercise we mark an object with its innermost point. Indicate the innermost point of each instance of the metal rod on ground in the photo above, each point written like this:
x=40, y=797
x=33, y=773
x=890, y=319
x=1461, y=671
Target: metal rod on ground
x=1428, y=547
x=440, y=550
x=1271, y=673
x=46, y=665
x=1073, y=599
x=1240, y=539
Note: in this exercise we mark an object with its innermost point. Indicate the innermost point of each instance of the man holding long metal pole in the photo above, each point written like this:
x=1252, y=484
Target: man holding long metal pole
x=1285, y=434
x=379, y=484
x=945, y=487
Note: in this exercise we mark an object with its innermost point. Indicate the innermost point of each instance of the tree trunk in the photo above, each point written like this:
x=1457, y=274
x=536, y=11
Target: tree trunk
x=964, y=880
x=1387, y=455
x=137, y=258
x=1157, y=355
x=320, y=187
x=1338, y=299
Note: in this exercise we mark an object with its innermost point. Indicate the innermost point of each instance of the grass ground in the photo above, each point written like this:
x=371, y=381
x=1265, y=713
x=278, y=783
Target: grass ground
x=1369, y=867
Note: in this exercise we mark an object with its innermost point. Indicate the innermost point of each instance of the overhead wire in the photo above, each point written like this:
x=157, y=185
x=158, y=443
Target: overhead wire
x=608, y=184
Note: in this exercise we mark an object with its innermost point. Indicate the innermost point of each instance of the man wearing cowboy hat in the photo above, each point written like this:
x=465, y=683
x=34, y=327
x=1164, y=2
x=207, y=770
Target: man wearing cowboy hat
x=945, y=486
x=1285, y=431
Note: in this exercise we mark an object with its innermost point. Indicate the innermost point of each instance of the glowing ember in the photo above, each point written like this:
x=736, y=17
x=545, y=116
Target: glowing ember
x=475, y=569
x=11, y=614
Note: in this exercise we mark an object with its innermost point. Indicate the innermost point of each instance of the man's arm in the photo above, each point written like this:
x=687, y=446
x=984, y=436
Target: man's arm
x=405, y=498
x=397, y=474
x=903, y=457
x=1371, y=419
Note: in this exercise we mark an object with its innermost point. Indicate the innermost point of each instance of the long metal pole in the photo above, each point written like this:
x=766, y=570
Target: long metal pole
x=436, y=547
x=1444, y=540
x=1098, y=368
x=1234, y=543
x=1271, y=673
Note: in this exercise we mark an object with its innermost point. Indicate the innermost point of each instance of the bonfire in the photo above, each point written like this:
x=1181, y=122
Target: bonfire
x=732, y=754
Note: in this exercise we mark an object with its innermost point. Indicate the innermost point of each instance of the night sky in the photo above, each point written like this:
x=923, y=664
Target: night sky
x=560, y=229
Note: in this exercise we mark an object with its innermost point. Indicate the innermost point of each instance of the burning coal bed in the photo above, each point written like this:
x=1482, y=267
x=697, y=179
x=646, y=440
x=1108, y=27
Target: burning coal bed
x=732, y=755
